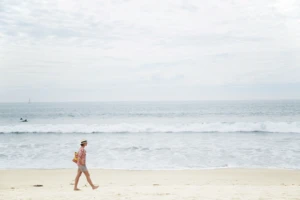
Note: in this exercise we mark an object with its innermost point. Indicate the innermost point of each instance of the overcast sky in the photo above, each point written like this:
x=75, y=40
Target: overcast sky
x=102, y=50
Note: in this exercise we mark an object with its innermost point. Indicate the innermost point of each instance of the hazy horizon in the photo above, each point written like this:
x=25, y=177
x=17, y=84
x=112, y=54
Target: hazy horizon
x=155, y=101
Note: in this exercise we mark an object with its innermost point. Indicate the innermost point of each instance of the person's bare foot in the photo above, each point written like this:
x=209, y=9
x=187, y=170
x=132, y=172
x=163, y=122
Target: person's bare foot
x=95, y=187
x=76, y=189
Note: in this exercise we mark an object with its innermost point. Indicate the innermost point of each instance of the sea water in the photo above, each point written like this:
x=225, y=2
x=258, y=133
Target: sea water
x=152, y=135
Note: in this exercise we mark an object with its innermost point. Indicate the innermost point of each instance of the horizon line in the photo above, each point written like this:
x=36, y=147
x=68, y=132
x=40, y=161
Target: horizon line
x=108, y=101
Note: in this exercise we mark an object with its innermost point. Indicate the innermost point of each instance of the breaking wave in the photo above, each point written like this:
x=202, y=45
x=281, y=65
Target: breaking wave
x=271, y=127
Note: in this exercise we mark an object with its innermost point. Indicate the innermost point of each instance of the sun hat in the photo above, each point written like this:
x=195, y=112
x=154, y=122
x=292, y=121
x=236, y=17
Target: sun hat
x=83, y=141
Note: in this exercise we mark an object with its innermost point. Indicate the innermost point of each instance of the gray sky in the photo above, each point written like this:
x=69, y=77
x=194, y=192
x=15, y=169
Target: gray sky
x=102, y=50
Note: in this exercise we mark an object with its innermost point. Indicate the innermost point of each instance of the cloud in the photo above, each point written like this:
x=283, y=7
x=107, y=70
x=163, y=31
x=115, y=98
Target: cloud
x=94, y=45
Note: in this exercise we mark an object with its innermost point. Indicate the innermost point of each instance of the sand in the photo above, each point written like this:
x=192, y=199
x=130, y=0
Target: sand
x=220, y=184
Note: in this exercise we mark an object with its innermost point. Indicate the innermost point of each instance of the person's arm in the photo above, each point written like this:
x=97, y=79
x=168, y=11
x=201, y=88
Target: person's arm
x=80, y=153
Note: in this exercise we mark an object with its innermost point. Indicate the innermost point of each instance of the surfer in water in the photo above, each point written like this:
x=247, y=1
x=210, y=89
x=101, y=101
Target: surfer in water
x=23, y=120
x=81, y=162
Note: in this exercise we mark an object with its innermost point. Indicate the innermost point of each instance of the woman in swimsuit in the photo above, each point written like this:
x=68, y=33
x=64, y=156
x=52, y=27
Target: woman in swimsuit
x=82, y=166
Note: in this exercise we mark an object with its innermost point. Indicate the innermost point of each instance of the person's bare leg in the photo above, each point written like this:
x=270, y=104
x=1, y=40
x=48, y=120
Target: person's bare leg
x=77, y=179
x=88, y=178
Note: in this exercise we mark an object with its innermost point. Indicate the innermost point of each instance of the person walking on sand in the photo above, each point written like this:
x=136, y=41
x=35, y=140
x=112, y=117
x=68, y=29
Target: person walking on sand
x=81, y=162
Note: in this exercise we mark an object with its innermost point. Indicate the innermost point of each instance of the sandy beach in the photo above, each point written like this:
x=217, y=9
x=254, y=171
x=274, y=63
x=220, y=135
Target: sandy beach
x=141, y=185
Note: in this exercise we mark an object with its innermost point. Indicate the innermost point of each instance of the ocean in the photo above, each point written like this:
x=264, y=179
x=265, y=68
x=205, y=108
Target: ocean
x=152, y=135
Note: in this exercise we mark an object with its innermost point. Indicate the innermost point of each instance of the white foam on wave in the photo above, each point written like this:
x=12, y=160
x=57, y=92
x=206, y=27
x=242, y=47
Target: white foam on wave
x=151, y=151
x=276, y=127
